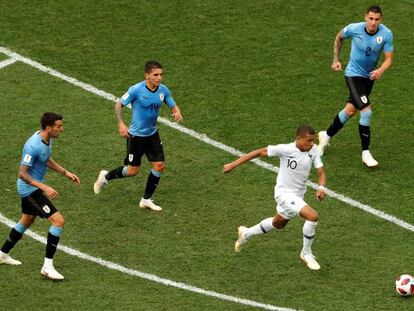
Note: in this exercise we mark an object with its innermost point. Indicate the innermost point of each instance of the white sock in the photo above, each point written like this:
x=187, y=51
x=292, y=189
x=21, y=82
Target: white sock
x=263, y=227
x=48, y=262
x=308, y=235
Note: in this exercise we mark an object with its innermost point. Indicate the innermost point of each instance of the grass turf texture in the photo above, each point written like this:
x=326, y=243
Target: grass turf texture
x=244, y=74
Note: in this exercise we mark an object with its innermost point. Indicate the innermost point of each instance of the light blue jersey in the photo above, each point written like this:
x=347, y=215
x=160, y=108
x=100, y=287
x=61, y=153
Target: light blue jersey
x=366, y=48
x=35, y=154
x=146, y=106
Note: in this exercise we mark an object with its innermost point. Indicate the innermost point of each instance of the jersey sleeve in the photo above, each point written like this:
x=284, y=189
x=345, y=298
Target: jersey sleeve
x=348, y=31
x=389, y=46
x=29, y=154
x=168, y=99
x=317, y=161
x=277, y=150
x=128, y=97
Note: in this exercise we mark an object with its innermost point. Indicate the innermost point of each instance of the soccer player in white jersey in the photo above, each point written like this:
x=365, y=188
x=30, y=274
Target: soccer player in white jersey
x=369, y=39
x=296, y=160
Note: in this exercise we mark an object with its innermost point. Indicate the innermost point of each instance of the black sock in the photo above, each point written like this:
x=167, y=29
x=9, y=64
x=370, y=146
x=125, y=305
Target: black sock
x=335, y=126
x=365, y=135
x=115, y=173
x=152, y=184
x=12, y=239
x=52, y=243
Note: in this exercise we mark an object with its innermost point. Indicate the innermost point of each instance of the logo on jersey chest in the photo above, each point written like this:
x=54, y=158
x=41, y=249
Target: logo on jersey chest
x=379, y=39
x=162, y=97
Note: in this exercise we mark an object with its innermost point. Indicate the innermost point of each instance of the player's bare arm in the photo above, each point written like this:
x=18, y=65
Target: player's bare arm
x=377, y=73
x=176, y=113
x=320, y=192
x=52, y=164
x=245, y=158
x=27, y=178
x=336, y=65
x=119, y=113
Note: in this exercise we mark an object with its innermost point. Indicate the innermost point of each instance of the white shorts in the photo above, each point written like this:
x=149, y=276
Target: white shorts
x=289, y=205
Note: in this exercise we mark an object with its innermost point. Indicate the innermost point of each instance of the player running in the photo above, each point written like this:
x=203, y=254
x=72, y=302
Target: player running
x=369, y=39
x=146, y=99
x=36, y=195
x=296, y=160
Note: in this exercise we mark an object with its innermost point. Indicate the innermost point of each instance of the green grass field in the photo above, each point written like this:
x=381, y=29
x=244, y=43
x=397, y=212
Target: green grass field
x=245, y=73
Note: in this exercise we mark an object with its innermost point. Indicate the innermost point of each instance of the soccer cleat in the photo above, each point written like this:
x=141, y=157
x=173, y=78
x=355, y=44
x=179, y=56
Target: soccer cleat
x=310, y=260
x=241, y=231
x=7, y=260
x=148, y=203
x=368, y=160
x=51, y=273
x=100, y=182
x=323, y=141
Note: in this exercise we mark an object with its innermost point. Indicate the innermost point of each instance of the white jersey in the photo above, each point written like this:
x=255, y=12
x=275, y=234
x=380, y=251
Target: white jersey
x=295, y=166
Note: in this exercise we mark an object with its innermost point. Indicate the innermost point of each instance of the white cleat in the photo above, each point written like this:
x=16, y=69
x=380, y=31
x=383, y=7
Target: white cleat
x=100, y=182
x=148, y=203
x=368, y=160
x=310, y=260
x=241, y=232
x=51, y=273
x=7, y=260
x=323, y=139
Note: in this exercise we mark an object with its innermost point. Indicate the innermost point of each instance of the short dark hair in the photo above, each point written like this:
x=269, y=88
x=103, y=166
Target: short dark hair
x=49, y=119
x=374, y=9
x=150, y=65
x=304, y=129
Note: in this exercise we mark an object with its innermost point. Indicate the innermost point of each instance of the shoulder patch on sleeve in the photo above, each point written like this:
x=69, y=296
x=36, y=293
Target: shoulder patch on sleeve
x=27, y=158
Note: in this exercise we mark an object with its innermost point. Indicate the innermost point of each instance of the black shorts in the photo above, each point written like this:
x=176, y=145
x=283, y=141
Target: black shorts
x=359, y=91
x=137, y=146
x=38, y=204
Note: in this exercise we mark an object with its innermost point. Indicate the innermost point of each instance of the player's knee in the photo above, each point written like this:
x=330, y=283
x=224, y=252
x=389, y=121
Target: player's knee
x=313, y=217
x=278, y=224
x=133, y=170
x=27, y=220
x=58, y=220
x=348, y=113
x=159, y=167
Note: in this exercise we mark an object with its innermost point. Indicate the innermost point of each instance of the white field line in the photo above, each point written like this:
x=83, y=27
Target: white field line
x=147, y=276
x=7, y=62
x=204, y=138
